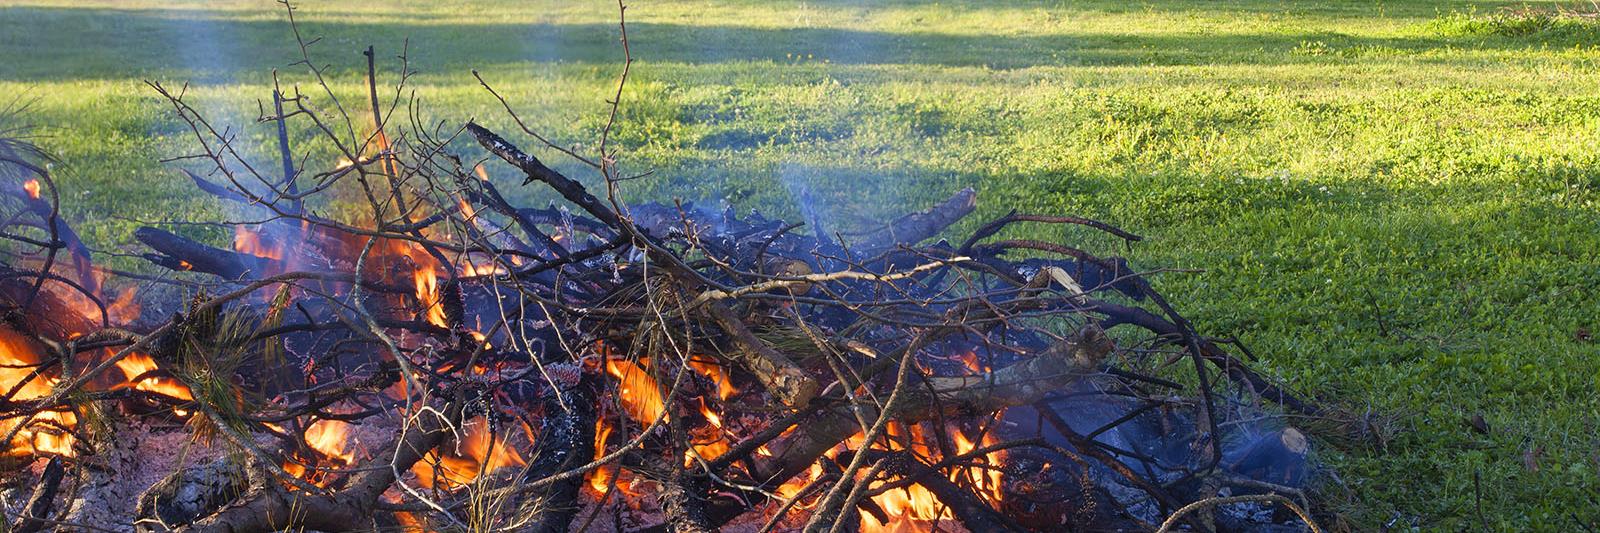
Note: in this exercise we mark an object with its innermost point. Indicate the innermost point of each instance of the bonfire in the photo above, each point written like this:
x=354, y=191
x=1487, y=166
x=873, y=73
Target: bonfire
x=389, y=342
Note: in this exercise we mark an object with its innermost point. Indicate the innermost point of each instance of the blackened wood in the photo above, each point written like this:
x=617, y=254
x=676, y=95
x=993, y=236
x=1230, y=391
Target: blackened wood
x=36, y=515
x=218, y=191
x=176, y=251
x=297, y=205
x=566, y=442
x=923, y=225
x=684, y=504
x=536, y=171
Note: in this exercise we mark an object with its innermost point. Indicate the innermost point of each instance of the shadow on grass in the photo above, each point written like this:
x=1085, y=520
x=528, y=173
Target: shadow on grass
x=83, y=43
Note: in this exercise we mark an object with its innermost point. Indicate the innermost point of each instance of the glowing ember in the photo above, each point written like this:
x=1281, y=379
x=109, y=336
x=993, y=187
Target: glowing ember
x=970, y=359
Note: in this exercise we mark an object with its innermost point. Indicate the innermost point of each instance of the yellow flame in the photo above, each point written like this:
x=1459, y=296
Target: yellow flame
x=913, y=508
x=600, y=478
x=330, y=438
x=427, y=282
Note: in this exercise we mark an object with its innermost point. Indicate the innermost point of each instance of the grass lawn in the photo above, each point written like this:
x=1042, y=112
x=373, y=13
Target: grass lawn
x=1396, y=204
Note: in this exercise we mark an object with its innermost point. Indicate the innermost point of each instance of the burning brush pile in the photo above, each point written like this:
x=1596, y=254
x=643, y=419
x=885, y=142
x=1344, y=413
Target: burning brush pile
x=430, y=356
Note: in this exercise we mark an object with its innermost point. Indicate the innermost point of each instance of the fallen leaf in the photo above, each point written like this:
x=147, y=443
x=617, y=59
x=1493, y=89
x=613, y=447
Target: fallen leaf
x=1478, y=424
x=1530, y=457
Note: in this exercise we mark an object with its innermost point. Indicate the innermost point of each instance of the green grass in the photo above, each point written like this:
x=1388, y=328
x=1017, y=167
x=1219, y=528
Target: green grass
x=1396, y=204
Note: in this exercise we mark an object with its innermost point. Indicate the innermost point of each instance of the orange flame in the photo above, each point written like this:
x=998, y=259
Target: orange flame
x=482, y=268
x=125, y=307
x=708, y=441
x=714, y=372
x=330, y=440
x=138, y=364
x=48, y=431
x=32, y=186
x=970, y=359
x=473, y=452
x=641, y=399
x=328, y=437
x=914, y=508
x=600, y=478
x=248, y=241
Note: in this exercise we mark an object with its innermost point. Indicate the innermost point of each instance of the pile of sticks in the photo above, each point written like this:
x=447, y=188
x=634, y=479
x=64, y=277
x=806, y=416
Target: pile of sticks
x=445, y=309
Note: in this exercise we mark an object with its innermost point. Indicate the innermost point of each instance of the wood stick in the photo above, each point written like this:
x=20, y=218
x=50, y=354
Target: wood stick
x=916, y=227
x=779, y=374
x=298, y=206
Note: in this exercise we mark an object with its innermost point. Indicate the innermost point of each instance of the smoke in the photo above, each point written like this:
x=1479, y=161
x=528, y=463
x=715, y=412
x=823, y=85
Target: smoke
x=1164, y=446
x=793, y=176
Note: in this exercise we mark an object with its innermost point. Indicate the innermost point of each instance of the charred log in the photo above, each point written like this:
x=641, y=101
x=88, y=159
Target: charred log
x=179, y=253
x=36, y=514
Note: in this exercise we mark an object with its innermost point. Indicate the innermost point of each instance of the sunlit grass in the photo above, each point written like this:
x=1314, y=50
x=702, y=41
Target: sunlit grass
x=1395, y=212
